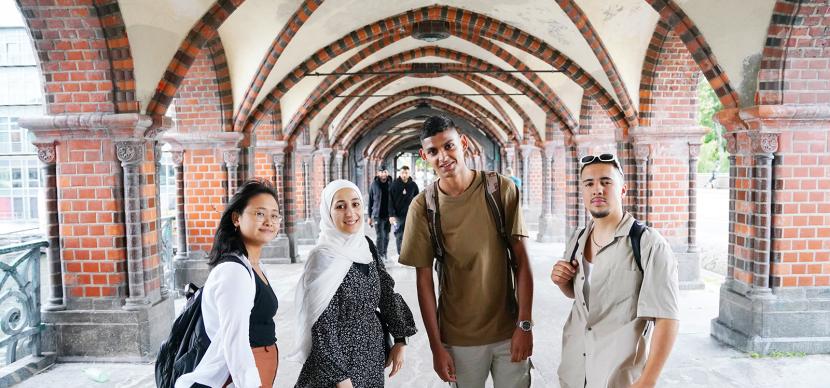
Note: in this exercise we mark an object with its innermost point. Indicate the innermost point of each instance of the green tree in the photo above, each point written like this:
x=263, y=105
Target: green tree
x=713, y=150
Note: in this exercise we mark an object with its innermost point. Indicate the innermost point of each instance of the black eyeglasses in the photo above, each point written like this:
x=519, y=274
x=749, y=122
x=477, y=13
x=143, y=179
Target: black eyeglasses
x=602, y=158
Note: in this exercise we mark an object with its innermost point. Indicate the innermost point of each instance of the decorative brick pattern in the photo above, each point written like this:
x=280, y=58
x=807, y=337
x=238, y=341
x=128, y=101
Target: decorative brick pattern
x=795, y=67
x=206, y=194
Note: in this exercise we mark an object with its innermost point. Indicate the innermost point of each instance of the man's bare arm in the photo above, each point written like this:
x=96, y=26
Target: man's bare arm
x=662, y=341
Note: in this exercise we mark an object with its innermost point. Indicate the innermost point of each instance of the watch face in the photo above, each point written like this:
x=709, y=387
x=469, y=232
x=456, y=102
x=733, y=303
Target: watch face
x=525, y=325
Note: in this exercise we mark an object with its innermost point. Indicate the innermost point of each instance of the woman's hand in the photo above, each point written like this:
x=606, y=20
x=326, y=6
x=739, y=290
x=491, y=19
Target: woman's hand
x=347, y=383
x=395, y=359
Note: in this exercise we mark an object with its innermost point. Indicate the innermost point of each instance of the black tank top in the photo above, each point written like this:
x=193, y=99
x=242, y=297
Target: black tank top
x=262, y=328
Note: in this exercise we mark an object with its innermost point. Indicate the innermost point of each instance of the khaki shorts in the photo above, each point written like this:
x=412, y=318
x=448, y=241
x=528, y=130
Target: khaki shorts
x=474, y=363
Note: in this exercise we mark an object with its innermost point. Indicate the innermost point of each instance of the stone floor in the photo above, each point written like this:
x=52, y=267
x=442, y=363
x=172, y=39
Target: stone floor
x=697, y=359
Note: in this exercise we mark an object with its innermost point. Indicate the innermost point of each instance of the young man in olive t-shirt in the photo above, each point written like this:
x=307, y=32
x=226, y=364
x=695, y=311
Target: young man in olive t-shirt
x=473, y=332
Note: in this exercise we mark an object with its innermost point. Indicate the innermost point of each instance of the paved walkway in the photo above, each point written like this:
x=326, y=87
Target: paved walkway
x=697, y=360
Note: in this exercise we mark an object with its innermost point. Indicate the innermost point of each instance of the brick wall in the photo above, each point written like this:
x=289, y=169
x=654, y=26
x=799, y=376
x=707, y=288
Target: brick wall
x=72, y=50
x=91, y=220
x=535, y=179
x=205, y=191
x=197, y=101
x=148, y=201
x=795, y=68
x=801, y=211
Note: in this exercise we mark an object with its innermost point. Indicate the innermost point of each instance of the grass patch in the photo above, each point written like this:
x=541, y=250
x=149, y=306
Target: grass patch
x=775, y=355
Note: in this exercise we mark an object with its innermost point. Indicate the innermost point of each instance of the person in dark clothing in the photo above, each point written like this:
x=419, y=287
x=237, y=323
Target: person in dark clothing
x=403, y=190
x=379, y=209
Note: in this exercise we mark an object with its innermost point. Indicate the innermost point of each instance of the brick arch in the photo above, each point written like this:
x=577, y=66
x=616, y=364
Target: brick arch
x=785, y=74
x=484, y=86
x=466, y=103
x=484, y=126
x=205, y=29
x=203, y=102
x=85, y=42
x=274, y=52
x=534, y=95
x=321, y=100
x=583, y=24
x=549, y=98
x=691, y=36
x=668, y=87
x=479, y=25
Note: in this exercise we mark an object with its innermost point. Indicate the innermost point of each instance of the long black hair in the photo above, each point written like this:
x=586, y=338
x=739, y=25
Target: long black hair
x=228, y=238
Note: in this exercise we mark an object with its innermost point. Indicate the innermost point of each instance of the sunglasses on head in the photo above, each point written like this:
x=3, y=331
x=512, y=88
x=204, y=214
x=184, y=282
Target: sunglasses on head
x=602, y=158
x=588, y=159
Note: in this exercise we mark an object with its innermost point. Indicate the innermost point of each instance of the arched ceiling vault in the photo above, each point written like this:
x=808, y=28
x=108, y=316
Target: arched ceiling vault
x=578, y=47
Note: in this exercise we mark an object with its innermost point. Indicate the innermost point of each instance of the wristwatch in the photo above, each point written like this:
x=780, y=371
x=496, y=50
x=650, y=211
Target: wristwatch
x=525, y=325
x=401, y=340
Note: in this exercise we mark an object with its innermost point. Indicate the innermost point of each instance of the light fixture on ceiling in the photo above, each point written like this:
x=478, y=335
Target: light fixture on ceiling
x=431, y=30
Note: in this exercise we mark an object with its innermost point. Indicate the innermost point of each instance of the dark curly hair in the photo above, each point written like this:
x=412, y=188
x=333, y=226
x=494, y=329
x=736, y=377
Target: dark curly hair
x=227, y=238
x=437, y=124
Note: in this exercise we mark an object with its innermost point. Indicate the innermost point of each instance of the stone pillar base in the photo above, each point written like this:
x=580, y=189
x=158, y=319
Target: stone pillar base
x=108, y=335
x=278, y=251
x=551, y=229
x=194, y=269
x=688, y=270
x=786, y=320
x=306, y=232
x=531, y=217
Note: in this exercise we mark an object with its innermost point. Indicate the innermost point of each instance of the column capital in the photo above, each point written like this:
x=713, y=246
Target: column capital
x=231, y=157
x=129, y=152
x=694, y=150
x=46, y=152
x=201, y=141
x=95, y=126
x=177, y=156
x=764, y=143
x=642, y=151
x=324, y=152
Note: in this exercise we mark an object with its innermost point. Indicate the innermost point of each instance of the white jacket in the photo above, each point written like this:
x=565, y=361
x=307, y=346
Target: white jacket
x=227, y=301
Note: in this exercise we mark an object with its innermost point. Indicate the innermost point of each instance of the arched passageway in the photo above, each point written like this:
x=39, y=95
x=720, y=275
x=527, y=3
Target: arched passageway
x=306, y=95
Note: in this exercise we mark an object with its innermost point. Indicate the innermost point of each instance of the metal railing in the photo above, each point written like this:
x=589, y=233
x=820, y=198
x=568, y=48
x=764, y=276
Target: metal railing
x=20, y=323
x=167, y=250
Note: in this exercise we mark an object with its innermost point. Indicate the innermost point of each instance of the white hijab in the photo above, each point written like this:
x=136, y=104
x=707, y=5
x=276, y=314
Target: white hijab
x=326, y=267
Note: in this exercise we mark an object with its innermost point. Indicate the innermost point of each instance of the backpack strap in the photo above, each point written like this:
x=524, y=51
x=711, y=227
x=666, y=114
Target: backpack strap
x=635, y=234
x=434, y=221
x=492, y=194
x=576, y=247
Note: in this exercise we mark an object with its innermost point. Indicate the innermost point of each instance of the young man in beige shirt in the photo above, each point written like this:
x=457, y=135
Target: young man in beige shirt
x=616, y=301
x=475, y=330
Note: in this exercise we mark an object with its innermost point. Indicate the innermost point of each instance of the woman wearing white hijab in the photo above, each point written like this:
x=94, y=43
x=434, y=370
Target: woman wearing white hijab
x=340, y=338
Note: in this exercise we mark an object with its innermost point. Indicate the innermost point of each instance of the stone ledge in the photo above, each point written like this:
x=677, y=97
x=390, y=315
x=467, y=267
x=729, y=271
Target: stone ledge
x=24, y=368
x=108, y=335
x=776, y=321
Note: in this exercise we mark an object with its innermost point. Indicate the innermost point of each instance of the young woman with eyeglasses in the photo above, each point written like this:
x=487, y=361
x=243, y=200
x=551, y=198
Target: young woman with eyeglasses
x=238, y=304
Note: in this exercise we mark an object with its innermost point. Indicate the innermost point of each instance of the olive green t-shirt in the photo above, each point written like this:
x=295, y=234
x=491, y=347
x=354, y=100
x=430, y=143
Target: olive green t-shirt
x=473, y=306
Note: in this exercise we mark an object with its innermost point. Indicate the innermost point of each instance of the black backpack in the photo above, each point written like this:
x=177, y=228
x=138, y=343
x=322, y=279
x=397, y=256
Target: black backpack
x=188, y=341
x=634, y=234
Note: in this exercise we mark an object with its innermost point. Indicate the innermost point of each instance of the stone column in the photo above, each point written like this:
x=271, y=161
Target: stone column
x=306, y=227
x=689, y=261
x=526, y=152
x=181, y=221
x=339, y=156
x=642, y=153
x=281, y=250
x=164, y=287
x=51, y=227
x=509, y=158
x=325, y=154
x=546, y=215
x=231, y=158
x=131, y=154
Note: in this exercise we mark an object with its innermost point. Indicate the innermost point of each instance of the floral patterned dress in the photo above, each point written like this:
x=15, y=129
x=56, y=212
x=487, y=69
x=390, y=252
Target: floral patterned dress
x=347, y=339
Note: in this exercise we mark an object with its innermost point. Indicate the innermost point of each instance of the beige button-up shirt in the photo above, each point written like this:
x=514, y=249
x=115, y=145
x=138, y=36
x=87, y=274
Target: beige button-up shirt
x=604, y=343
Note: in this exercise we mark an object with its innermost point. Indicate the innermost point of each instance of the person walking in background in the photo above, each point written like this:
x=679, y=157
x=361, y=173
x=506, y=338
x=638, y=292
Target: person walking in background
x=379, y=209
x=403, y=190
